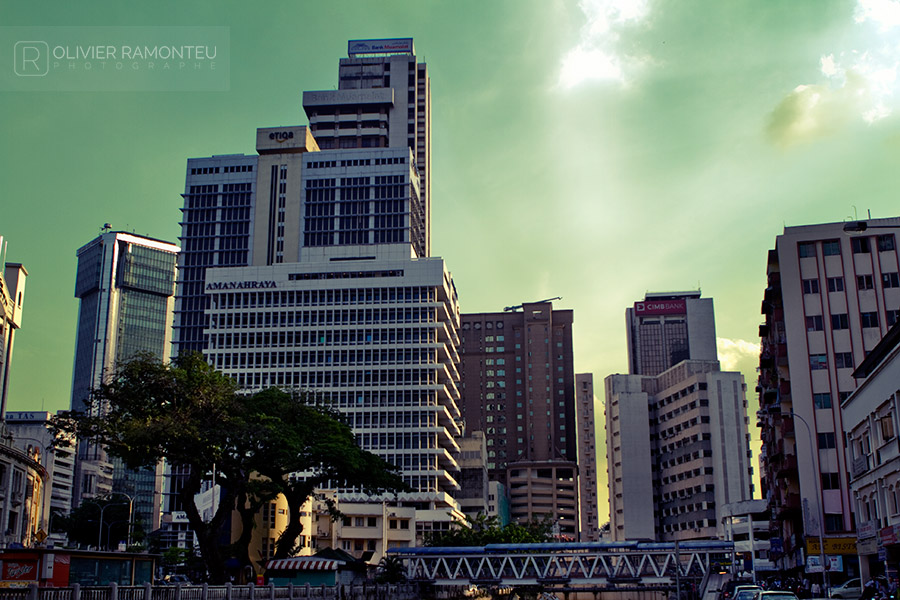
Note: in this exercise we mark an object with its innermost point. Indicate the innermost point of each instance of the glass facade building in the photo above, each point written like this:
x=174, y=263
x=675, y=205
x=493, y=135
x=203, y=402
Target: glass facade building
x=125, y=285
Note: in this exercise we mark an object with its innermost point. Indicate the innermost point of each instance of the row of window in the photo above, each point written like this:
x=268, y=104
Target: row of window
x=863, y=282
x=302, y=298
x=858, y=245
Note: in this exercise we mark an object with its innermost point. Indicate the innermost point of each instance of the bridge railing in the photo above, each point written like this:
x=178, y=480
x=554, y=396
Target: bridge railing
x=565, y=563
x=368, y=591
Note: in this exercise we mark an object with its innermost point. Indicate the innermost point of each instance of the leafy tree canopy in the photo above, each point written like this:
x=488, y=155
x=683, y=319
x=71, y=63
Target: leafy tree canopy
x=254, y=445
x=485, y=530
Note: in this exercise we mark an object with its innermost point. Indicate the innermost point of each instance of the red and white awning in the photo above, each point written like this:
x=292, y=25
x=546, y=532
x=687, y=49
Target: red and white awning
x=303, y=563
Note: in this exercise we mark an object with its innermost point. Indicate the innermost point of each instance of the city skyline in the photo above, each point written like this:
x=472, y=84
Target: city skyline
x=593, y=150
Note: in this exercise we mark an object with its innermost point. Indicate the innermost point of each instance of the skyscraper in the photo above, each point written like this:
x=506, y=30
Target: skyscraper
x=330, y=288
x=833, y=291
x=518, y=380
x=676, y=427
x=666, y=328
x=125, y=283
x=383, y=100
x=589, y=526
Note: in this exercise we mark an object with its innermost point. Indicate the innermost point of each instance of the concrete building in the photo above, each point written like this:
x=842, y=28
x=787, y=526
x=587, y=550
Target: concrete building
x=676, y=427
x=747, y=525
x=519, y=388
x=327, y=230
x=383, y=100
x=31, y=433
x=125, y=285
x=12, y=297
x=473, y=475
x=833, y=292
x=375, y=336
x=666, y=328
x=23, y=488
x=678, y=451
x=589, y=526
x=871, y=416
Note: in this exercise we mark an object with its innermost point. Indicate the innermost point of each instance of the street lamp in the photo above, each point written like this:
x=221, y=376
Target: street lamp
x=817, y=478
x=103, y=510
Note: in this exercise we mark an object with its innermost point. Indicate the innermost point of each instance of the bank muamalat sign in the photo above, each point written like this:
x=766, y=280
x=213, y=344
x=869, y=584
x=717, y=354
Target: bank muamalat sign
x=660, y=307
x=240, y=285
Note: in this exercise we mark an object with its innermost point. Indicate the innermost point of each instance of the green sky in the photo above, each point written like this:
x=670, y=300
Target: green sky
x=593, y=150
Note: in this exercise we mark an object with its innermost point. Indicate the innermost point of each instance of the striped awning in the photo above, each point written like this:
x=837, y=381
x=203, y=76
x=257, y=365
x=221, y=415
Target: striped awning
x=303, y=563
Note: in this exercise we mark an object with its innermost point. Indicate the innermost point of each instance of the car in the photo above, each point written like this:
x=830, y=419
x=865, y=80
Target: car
x=729, y=590
x=175, y=579
x=775, y=595
x=745, y=592
x=850, y=589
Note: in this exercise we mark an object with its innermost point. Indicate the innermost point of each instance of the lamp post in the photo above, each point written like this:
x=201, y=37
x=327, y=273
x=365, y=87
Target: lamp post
x=130, y=513
x=103, y=510
x=814, y=457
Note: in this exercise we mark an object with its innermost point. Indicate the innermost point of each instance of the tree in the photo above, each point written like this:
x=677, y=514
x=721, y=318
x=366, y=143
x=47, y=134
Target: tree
x=82, y=524
x=484, y=530
x=304, y=436
x=193, y=417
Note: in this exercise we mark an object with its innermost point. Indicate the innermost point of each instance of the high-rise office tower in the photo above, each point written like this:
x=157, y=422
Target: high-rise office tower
x=383, y=100
x=833, y=291
x=677, y=442
x=519, y=388
x=332, y=290
x=589, y=526
x=125, y=285
x=12, y=297
x=666, y=328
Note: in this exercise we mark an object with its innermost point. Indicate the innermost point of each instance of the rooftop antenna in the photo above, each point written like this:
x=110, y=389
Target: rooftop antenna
x=518, y=306
x=106, y=227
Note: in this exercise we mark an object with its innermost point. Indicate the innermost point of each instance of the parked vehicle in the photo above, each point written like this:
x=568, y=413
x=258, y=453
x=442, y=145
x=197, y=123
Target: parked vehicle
x=775, y=595
x=850, y=589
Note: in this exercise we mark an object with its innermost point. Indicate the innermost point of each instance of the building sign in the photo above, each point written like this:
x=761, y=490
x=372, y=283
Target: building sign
x=833, y=545
x=240, y=285
x=867, y=546
x=390, y=46
x=20, y=570
x=867, y=529
x=834, y=564
x=887, y=536
x=660, y=307
x=27, y=416
x=859, y=466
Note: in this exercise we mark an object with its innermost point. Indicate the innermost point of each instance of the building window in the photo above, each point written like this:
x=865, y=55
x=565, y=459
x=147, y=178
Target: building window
x=834, y=523
x=810, y=286
x=843, y=360
x=840, y=321
x=865, y=282
x=818, y=362
x=806, y=249
x=831, y=247
x=831, y=481
x=886, y=242
x=890, y=280
x=887, y=427
x=814, y=323
x=869, y=319
x=892, y=316
x=835, y=284
x=860, y=245
x=826, y=440
x=822, y=400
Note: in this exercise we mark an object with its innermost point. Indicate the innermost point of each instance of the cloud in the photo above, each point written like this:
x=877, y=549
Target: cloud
x=858, y=84
x=597, y=56
x=734, y=354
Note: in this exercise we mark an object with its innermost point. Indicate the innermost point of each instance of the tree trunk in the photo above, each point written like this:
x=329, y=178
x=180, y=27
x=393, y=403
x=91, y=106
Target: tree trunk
x=296, y=495
x=207, y=533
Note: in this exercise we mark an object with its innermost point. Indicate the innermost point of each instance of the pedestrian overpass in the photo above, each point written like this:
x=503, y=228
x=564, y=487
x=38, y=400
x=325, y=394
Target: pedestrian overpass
x=568, y=565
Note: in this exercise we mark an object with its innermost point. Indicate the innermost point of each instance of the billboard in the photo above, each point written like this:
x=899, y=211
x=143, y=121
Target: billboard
x=389, y=46
x=649, y=308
